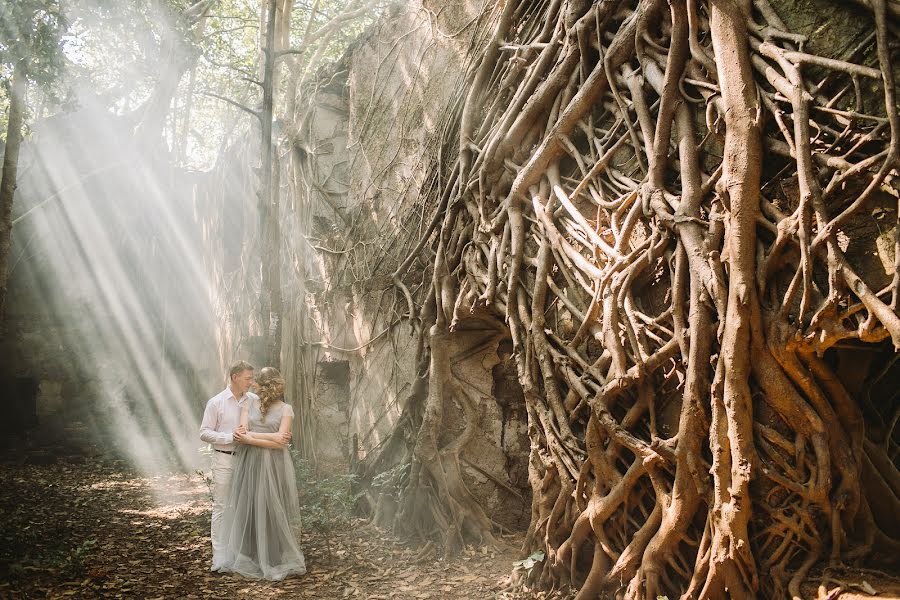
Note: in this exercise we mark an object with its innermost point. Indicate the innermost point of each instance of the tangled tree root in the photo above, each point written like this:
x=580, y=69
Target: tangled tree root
x=656, y=198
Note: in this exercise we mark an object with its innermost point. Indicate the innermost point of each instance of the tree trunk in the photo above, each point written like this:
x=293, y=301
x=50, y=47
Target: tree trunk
x=270, y=239
x=181, y=143
x=8, y=180
x=175, y=59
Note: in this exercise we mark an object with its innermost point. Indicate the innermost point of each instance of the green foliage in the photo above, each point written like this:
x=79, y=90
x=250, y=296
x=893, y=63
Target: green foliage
x=326, y=503
x=118, y=50
x=74, y=565
x=30, y=32
x=206, y=478
x=70, y=562
x=342, y=38
x=229, y=64
x=392, y=481
x=526, y=564
x=30, y=39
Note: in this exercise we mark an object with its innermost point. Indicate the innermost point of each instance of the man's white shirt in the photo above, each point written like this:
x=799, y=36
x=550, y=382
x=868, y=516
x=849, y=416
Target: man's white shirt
x=221, y=417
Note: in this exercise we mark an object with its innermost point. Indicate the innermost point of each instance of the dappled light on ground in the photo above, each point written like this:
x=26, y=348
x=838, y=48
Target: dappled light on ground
x=91, y=529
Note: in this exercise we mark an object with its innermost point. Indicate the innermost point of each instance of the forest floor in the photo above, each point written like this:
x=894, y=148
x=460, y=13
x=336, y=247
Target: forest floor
x=81, y=527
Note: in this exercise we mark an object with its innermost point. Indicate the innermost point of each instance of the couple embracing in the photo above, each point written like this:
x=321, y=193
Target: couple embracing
x=255, y=497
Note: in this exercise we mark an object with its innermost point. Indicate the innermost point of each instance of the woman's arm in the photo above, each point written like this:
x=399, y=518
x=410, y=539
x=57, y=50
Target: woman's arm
x=251, y=440
x=283, y=437
x=271, y=440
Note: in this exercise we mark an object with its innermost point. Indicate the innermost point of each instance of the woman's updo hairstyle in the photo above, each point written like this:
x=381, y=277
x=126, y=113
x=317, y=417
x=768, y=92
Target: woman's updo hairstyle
x=269, y=388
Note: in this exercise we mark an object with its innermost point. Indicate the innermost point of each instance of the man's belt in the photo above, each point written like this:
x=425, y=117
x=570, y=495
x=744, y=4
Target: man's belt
x=224, y=451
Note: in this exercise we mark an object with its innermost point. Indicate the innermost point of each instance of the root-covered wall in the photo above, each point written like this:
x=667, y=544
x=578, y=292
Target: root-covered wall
x=678, y=221
x=666, y=204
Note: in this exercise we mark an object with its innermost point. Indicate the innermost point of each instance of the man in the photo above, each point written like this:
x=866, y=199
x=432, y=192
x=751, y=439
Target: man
x=221, y=421
x=221, y=427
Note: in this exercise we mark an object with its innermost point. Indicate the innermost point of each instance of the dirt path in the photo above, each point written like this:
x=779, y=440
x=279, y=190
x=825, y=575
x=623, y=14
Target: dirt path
x=95, y=530
x=91, y=529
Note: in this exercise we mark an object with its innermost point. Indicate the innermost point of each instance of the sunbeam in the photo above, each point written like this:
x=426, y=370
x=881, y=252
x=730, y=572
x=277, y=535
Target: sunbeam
x=111, y=309
x=115, y=262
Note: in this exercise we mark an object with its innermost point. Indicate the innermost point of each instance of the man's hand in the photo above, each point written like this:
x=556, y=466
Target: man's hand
x=284, y=438
x=240, y=434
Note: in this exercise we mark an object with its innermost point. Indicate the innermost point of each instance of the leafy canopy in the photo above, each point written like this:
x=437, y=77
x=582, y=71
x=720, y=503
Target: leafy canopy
x=30, y=33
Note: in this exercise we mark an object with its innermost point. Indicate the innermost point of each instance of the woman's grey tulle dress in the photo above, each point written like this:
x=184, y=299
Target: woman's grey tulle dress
x=263, y=508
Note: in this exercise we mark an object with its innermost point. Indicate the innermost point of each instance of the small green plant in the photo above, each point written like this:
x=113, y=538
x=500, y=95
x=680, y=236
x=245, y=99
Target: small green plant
x=392, y=481
x=326, y=503
x=526, y=564
x=73, y=565
x=205, y=478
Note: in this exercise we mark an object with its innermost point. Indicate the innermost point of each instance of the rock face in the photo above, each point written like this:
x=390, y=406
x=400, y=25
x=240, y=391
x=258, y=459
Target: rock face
x=353, y=179
x=376, y=135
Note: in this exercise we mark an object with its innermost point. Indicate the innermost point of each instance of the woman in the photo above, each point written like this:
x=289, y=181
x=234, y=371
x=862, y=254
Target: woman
x=257, y=527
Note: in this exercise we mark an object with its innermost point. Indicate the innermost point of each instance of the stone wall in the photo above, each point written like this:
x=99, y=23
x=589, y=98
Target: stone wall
x=372, y=132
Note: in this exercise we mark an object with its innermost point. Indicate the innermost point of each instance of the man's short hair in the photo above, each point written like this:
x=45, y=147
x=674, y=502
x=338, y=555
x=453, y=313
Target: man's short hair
x=238, y=368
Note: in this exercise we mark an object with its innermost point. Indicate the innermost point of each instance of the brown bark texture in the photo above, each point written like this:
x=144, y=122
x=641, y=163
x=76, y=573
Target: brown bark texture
x=660, y=203
x=14, y=123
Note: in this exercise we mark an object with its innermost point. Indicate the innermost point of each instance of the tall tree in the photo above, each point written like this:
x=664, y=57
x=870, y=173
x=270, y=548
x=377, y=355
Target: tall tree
x=270, y=294
x=30, y=52
x=178, y=56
